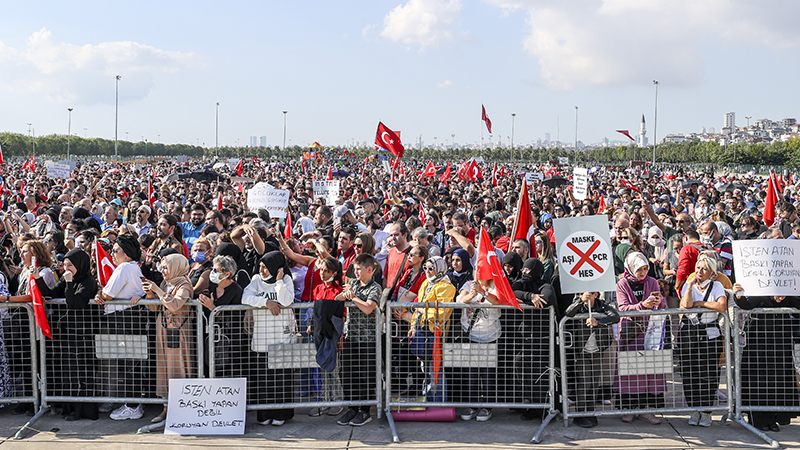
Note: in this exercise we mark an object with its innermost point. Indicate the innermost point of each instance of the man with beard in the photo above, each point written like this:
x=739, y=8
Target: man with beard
x=166, y=237
x=192, y=229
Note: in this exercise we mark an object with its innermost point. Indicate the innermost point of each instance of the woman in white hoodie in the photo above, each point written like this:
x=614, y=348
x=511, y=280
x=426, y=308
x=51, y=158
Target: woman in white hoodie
x=272, y=292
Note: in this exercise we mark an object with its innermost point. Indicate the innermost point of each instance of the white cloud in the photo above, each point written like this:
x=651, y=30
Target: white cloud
x=84, y=74
x=444, y=84
x=427, y=23
x=614, y=42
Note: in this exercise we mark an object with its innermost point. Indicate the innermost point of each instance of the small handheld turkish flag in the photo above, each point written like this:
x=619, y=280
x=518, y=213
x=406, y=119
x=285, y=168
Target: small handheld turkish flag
x=240, y=167
x=485, y=118
x=489, y=269
x=104, y=264
x=388, y=140
x=38, y=307
x=430, y=171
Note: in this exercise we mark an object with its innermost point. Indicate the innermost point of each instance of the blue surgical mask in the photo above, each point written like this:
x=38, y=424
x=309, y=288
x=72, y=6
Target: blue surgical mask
x=199, y=257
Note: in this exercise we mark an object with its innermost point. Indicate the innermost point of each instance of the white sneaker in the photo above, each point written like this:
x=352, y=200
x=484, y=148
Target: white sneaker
x=265, y=422
x=126, y=412
x=277, y=422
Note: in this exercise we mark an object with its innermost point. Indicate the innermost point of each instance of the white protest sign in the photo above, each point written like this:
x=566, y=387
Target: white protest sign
x=264, y=196
x=58, y=170
x=206, y=406
x=766, y=267
x=233, y=162
x=530, y=177
x=329, y=190
x=585, y=261
x=387, y=167
x=563, y=160
x=580, y=183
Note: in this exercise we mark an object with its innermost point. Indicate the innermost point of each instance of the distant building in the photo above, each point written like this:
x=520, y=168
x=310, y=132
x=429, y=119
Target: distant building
x=263, y=141
x=789, y=121
x=642, y=138
x=252, y=141
x=673, y=138
x=547, y=138
x=729, y=120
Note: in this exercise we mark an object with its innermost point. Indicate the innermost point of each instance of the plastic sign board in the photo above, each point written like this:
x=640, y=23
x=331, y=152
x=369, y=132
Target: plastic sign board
x=264, y=196
x=206, y=406
x=767, y=267
x=580, y=183
x=585, y=259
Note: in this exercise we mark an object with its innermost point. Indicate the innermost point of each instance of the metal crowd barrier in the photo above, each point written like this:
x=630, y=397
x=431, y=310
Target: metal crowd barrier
x=118, y=354
x=429, y=372
x=19, y=365
x=681, y=373
x=767, y=352
x=286, y=375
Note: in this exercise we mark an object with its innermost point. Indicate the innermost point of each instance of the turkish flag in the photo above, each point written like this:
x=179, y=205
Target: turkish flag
x=240, y=167
x=150, y=196
x=330, y=174
x=38, y=307
x=602, y=204
x=474, y=172
x=25, y=165
x=429, y=171
x=485, y=118
x=502, y=171
x=256, y=160
x=769, y=203
x=1, y=155
x=239, y=187
x=773, y=177
x=388, y=140
x=494, y=175
x=287, y=230
x=105, y=267
x=446, y=174
x=489, y=269
x=524, y=226
x=629, y=185
x=625, y=132
x=422, y=214
x=461, y=173
x=32, y=165
x=219, y=202
x=402, y=169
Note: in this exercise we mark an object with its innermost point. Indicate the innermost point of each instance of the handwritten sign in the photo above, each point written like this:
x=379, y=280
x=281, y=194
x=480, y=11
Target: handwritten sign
x=767, y=267
x=58, y=170
x=206, y=406
x=264, y=196
x=563, y=160
x=530, y=177
x=580, y=182
x=329, y=190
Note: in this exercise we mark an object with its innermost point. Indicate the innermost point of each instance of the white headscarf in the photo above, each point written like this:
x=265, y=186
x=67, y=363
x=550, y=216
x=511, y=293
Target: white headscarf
x=634, y=261
x=658, y=243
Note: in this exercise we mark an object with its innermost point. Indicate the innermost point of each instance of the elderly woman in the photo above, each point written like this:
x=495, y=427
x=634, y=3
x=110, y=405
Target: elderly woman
x=637, y=291
x=174, y=343
x=768, y=372
x=223, y=289
x=269, y=292
x=700, y=340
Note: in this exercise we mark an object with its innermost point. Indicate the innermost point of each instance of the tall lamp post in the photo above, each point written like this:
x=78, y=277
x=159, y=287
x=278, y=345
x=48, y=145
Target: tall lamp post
x=284, y=131
x=513, y=115
x=576, y=135
x=69, y=130
x=216, y=134
x=655, y=124
x=116, y=116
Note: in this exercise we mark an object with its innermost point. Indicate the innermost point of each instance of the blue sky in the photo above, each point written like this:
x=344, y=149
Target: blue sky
x=421, y=66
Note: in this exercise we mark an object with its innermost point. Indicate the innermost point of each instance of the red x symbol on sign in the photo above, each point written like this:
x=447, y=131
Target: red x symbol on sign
x=585, y=257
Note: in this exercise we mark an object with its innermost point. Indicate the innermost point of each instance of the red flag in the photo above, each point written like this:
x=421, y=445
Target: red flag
x=105, y=266
x=256, y=160
x=629, y=185
x=32, y=165
x=773, y=177
x=38, y=307
x=494, y=175
x=239, y=187
x=25, y=165
x=402, y=169
x=303, y=165
x=502, y=171
x=446, y=174
x=1, y=155
x=769, y=204
x=219, y=202
x=524, y=226
x=150, y=196
x=602, y=204
x=625, y=132
x=330, y=174
x=429, y=171
x=388, y=140
x=489, y=269
x=474, y=172
x=485, y=118
x=287, y=230
x=240, y=167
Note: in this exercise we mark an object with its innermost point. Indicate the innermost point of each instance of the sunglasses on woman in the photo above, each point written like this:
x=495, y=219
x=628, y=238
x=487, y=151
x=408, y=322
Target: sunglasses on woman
x=429, y=269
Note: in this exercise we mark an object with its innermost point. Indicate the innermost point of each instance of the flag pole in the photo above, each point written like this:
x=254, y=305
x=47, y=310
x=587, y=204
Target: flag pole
x=481, y=136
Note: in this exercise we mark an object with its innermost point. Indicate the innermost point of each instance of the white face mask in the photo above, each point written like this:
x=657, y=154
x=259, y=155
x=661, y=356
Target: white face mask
x=330, y=279
x=654, y=241
x=703, y=284
x=215, y=277
x=625, y=241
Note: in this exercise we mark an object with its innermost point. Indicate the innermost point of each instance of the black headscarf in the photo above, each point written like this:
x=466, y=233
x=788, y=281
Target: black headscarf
x=130, y=245
x=514, y=260
x=232, y=250
x=275, y=261
x=531, y=283
x=82, y=263
x=460, y=278
x=80, y=213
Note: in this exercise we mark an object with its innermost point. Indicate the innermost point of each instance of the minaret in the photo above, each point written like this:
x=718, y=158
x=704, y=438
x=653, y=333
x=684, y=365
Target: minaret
x=642, y=134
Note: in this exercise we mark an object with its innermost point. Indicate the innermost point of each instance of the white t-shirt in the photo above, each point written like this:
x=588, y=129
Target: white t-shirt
x=717, y=291
x=125, y=282
x=486, y=326
x=267, y=328
x=299, y=279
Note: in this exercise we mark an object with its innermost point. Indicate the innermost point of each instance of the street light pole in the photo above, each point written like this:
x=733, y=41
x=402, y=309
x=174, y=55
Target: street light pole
x=216, y=139
x=69, y=130
x=513, y=115
x=116, y=116
x=284, y=131
x=576, y=135
x=655, y=124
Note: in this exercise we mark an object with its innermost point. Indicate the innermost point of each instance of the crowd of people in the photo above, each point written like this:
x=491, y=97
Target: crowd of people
x=404, y=237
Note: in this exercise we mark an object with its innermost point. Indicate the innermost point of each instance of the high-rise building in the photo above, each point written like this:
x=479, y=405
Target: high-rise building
x=252, y=141
x=547, y=138
x=263, y=141
x=730, y=120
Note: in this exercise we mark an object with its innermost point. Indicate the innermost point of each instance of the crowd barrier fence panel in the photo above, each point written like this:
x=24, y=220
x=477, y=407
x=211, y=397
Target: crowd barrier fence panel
x=515, y=370
x=19, y=362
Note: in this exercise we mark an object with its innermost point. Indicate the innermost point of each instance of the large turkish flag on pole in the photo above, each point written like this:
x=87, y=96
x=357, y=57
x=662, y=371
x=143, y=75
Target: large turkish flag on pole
x=388, y=140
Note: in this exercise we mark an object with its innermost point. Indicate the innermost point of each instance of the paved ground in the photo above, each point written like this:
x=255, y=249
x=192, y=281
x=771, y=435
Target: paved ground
x=504, y=430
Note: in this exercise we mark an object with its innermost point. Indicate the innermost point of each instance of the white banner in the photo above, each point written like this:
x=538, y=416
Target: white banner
x=329, y=190
x=530, y=177
x=264, y=196
x=233, y=162
x=563, y=160
x=580, y=183
x=767, y=267
x=206, y=406
x=58, y=170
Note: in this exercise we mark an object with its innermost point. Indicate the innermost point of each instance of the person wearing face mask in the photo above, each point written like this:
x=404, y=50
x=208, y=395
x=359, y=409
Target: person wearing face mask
x=224, y=290
x=711, y=236
x=174, y=344
x=200, y=264
x=637, y=291
x=656, y=250
x=700, y=339
x=270, y=291
x=73, y=335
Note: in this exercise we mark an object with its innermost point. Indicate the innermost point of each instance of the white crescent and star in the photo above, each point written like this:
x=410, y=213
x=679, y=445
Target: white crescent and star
x=383, y=138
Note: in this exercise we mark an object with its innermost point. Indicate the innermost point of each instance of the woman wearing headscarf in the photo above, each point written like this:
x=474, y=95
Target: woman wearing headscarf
x=656, y=251
x=637, y=291
x=700, y=340
x=73, y=335
x=768, y=371
x=460, y=268
x=126, y=319
x=271, y=292
x=174, y=344
x=241, y=276
x=512, y=265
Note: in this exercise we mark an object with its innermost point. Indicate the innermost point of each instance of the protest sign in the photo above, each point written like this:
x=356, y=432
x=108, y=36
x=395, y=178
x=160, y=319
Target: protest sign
x=329, y=190
x=563, y=160
x=585, y=261
x=58, y=170
x=580, y=183
x=530, y=177
x=233, y=162
x=206, y=406
x=767, y=266
x=264, y=196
